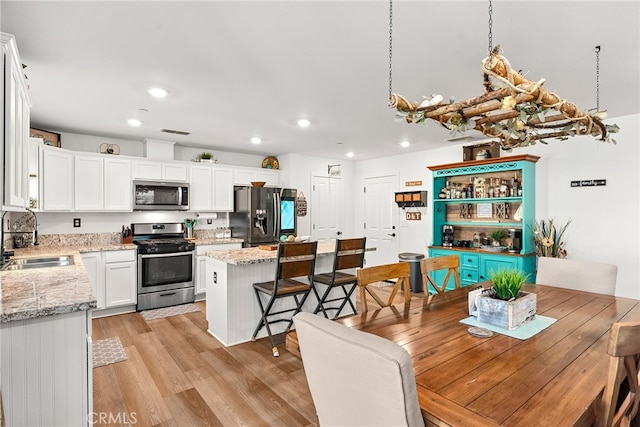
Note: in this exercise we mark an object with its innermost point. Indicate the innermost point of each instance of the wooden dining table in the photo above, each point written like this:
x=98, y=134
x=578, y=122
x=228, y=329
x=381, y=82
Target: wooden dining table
x=554, y=378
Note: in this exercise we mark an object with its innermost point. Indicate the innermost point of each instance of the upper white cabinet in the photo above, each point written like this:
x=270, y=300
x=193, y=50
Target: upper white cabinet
x=153, y=169
x=245, y=176
x=15, y=127
x=117, y=184
x=56, y=179
x=222, y=189
x=211, y=189
x=88, y=183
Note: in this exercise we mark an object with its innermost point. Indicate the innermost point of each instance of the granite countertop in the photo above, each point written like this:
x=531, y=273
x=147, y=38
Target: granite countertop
x=246, y=256
x=39, y=292
x=214, y=241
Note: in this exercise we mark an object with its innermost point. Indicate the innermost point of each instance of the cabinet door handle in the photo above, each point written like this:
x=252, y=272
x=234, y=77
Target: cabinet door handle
x=392, y=234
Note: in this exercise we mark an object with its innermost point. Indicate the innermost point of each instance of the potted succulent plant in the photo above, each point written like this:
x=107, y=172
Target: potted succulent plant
x=504, y=305
x=206, y=157
x=497, y=237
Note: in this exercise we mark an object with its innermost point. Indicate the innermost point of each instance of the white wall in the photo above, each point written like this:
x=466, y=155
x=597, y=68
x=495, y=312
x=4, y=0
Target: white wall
x=604, y=219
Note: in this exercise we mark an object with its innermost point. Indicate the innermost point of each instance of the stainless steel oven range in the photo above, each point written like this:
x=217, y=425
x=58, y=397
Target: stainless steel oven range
x=165, y=265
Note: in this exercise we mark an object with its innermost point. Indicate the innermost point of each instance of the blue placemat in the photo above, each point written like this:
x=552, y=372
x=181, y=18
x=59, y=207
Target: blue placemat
x=523, y=332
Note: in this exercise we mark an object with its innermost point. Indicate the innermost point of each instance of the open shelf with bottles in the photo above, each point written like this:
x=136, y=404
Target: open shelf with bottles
x=477, y=199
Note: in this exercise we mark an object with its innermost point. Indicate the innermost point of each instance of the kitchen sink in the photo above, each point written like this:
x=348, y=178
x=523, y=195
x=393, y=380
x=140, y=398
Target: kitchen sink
x=28, y=263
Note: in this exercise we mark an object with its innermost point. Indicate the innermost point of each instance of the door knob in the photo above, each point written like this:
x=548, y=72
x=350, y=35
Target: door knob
x=392, y=234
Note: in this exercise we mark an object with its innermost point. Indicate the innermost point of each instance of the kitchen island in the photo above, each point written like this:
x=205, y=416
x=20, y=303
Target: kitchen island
x=232, y=309
x=45, y=329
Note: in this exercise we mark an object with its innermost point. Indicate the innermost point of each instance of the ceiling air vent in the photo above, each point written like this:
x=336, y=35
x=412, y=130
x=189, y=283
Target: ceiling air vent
x=175, y=132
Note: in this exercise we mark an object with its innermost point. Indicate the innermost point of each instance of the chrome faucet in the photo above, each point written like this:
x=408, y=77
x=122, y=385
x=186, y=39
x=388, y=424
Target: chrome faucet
x=35, y=227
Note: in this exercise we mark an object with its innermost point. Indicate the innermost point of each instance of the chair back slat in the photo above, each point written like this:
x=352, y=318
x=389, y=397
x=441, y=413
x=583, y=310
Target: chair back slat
x=400, y=272
x=296, y=260
x=428, y=265
x=349, y=253
x=624, y=351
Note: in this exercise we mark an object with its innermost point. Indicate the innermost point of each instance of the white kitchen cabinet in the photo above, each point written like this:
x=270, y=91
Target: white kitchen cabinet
x=117, y=184
x=222, y=189
x=246, y=175
x=150, y=169
x=200, y=188
x=15, y=127
x=120, y=278
x=201, y=264
x=210, y=188
x=88, y=183
x=94, y=268
x=56, y=179
x=46, y=370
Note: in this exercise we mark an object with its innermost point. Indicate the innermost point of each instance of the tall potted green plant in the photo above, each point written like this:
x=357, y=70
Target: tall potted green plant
x=504, y=304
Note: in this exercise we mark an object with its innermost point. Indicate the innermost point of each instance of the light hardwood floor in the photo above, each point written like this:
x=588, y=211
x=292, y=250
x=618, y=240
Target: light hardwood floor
x=179, y=375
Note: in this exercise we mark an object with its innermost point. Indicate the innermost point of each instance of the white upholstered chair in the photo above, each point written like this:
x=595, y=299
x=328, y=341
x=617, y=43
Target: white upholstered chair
x=575, y=274
x=356, y=378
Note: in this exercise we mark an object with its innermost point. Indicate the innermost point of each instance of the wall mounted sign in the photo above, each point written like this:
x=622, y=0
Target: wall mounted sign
x=484, y=210
x=413, y=216
x=589, y=183
x=412, y=183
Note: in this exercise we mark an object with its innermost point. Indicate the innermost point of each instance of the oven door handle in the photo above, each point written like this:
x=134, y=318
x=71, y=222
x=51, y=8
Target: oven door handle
x=165, y=255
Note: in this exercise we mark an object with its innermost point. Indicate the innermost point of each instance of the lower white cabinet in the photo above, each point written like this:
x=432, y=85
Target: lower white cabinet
x=113, y=275
x=120, y=278
x=46, y=370
x=201, y=263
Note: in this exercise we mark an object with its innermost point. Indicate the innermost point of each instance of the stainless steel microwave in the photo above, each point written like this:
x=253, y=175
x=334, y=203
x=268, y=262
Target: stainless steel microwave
x=160, y=196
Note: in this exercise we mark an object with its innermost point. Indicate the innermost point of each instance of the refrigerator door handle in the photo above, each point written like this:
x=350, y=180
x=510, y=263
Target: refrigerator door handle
x=276, y=210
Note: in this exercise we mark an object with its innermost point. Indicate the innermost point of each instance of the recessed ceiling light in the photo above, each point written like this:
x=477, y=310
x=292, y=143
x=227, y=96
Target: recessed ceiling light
x=350, y=154
x=256, y=140
x=134, y=122
x=303, y=123
x=404, y=144
x=157, y=92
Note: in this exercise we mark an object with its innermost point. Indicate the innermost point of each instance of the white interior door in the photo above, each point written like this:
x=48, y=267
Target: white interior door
x=326, y=208
x=381, y=219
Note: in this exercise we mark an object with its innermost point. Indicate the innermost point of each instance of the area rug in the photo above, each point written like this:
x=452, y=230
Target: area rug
x=108, y=351
x=158, y=313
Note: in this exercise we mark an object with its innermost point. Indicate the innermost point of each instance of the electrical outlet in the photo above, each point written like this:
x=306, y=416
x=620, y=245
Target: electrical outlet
x=209, y=221
x=215, y=277
x=76, y=222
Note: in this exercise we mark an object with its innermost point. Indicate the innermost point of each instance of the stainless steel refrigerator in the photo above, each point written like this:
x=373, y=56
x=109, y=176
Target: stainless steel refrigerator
x=262, y=214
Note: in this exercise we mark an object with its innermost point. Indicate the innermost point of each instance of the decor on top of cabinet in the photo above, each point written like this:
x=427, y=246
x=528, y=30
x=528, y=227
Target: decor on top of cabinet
x=109, y=149
x=515, y=111
x=270, y=162
x=504, y=305
x=548, y=239
x=49, y=138
x=301, y=205
x=206, y=157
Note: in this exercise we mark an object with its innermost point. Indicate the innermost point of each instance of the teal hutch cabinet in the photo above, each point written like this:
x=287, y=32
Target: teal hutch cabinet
x=475, y=199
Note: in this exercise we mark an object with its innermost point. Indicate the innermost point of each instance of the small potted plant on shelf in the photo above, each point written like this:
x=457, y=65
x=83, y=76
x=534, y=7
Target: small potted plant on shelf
x=504, y=305
x=206, y=157
x=497, y=237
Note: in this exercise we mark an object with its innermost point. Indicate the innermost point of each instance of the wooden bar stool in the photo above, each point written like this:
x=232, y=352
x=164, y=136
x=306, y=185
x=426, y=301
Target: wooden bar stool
x=295, y=260
x=451, y=263
x=349, y=254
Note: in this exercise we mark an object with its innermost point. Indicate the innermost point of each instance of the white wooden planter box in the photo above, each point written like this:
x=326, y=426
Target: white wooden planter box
x=507, y=314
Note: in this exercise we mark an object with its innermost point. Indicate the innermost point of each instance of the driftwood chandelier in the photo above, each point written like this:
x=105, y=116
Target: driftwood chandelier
x=514, y=111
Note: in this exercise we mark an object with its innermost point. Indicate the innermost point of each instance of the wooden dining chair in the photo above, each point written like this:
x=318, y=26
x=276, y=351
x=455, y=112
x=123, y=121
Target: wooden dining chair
x=349, y=254
x=575, y=274
x=356, y=378
x=295, y=260
x=367, y=276
x=620, y=409
x=428, y=266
